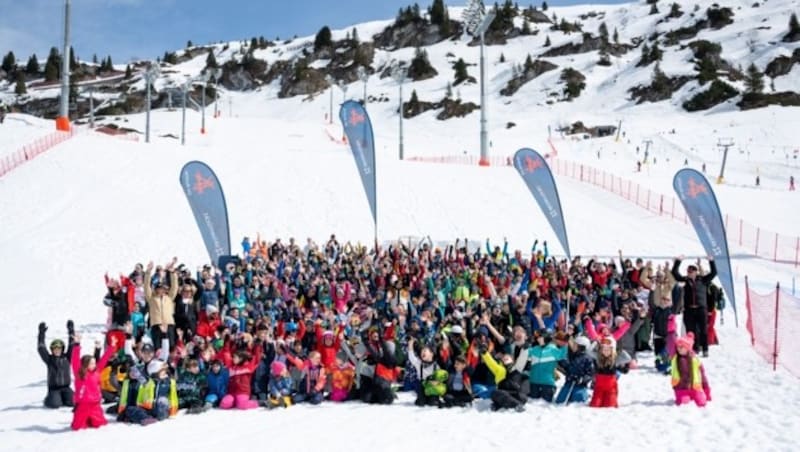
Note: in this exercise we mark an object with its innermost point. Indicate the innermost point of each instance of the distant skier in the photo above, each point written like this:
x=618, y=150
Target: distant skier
x=758, y=181
x=685, y=162
x=704, y=167
x=638, y=167
x=791, y=183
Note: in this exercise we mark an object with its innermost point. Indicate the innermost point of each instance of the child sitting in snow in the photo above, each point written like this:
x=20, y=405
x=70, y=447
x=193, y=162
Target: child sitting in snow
x=314, y=378
x=580, y=372
x=688, y=375
x=280, y=386
x=459, y=389
x=342, y=378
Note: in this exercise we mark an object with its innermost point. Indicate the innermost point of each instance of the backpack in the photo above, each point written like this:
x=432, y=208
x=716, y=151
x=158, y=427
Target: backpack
x=436, y=384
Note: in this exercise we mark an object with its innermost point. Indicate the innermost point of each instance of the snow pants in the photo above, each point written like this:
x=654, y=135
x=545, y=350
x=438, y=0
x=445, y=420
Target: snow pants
x=240, y=401
x=58, y=397
x=88, y=415
x=545, y=392
x=605, y=391
x=684, y=396
x=712, y=331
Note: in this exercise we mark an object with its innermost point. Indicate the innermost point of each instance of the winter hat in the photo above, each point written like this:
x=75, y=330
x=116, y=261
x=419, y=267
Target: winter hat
x=135, y=374
x=483, y=331
x=211, y=309
x=148, y=347
x=456, y=329
x=327, y=334
x=685, y=341
x=155, y=366
x=277, y=367
x=619, y=320
x=583, y=342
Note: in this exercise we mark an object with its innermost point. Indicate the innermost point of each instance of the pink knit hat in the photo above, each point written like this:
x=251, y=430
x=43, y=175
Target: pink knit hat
x=277, y=367
x=685, y=341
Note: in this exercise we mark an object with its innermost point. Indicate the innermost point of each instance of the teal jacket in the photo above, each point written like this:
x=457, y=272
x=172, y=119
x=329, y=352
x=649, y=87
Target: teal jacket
x=543, y=363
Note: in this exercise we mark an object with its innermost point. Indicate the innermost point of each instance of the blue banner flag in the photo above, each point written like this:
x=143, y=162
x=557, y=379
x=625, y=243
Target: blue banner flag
x=702, y=209
x=358, y=129
x=537, y=176
x=205, y=196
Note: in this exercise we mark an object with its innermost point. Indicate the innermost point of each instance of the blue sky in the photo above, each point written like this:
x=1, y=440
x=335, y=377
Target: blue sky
x=141, y=29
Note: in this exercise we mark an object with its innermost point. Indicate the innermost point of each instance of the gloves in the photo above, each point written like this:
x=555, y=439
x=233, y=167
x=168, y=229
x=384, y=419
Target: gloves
x=70, y=328
x=482, y=349
x=42, y=328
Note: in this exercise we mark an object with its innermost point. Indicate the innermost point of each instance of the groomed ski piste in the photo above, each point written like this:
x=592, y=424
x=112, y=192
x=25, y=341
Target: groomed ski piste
x=98, y=204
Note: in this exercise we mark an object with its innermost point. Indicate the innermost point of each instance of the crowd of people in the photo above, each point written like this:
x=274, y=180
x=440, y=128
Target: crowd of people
x=286, y=323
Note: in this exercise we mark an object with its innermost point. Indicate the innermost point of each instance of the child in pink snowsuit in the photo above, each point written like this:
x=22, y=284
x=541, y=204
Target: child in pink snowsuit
x=88, y=412
x=688, y=376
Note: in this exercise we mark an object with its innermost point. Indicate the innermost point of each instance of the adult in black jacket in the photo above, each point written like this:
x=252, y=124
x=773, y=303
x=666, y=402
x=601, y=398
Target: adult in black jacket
x=59, y=372
x=186, y=304
x=695, y=301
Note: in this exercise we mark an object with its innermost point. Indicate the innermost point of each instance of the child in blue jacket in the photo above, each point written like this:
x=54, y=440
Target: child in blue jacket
x=580, y=372
x=217, y=380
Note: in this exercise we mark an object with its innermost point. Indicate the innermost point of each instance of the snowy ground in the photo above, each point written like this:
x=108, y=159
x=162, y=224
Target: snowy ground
x=95, y=204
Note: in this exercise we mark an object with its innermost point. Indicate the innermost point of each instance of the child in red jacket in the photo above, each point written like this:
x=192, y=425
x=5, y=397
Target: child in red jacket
x=605, y=377
x=88, y=412
x=241, y=377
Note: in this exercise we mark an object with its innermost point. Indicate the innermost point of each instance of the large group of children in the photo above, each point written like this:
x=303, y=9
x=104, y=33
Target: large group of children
x=286, y=323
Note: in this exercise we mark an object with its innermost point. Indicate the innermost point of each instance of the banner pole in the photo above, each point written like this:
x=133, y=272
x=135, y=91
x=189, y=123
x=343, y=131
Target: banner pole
x=775, y=342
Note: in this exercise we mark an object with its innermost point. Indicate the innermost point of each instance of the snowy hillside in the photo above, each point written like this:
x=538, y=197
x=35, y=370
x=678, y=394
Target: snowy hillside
x=98, y=204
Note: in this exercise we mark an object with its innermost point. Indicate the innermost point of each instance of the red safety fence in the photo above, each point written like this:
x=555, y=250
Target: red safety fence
x=773, y=321
x=32, y=150
x=755, y=239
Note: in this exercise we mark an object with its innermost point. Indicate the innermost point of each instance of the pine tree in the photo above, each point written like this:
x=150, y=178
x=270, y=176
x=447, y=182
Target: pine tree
x=653, y=9
x=502, y=57
x=354, y=35
x=706, y=70
x=52, y=68
x=645, y=55
x=20, y=88
x=323, y=38
x=655, y=53
x=109, y=64
x=436, y=12
x=448, y=93
x=754, y=80
x=603, y=32
x=9, y=63
x=446, y=28
x=189, y=44
x=616, y=36
x=547, y=41
x=128, y=72
x=794, y=25
x=675, y=11
x=526, y=27
x=659, y=82
x=73, y=60
x=211, y=60
x=32, y=68
x=94, y=58
x=544, y=6
x=528, y=63
x=460, y=68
